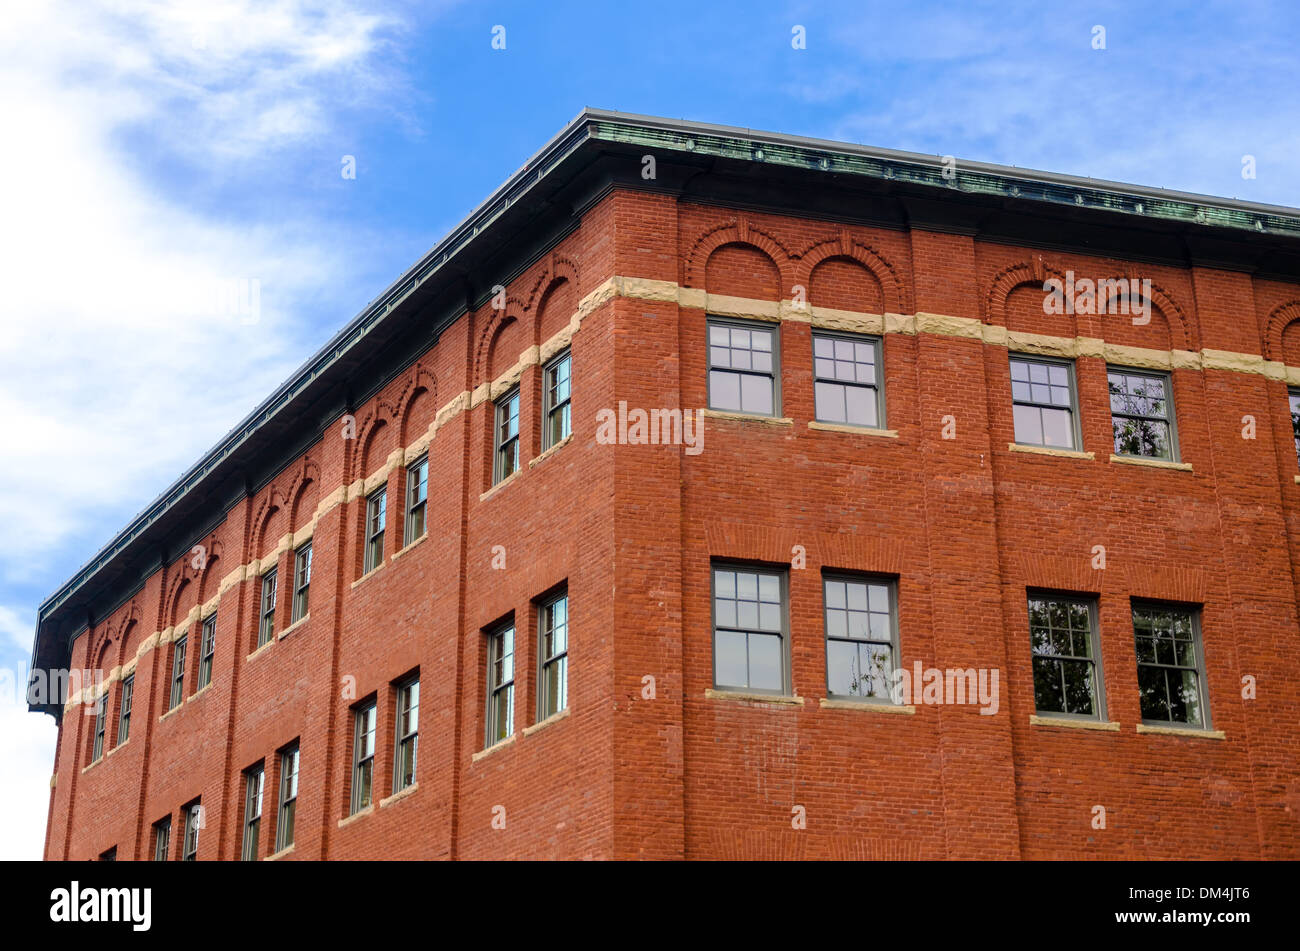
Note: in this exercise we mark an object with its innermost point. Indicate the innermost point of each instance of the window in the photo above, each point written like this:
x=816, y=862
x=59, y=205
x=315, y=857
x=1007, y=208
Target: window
x=207, y=650
x=1141, y=414
x=507, y=436
x=253, y=780
x=742, y=368
x=556, y=422
x=1294, y=396
x=162, y=839
x=749, y=630
x=101, y=714
x=846, y=382
x=501, y=684
x=363, y=756
x=124, y=710
x=408, y=734
x=178, y=672
x=1063, y=640
x=376, y=521
x=301, y=581
x=553, y=654
x=417, y=499
x=1171, y=668
x=288, y=797
x=1043, y=398
x=193, y=822
x=266, y=627
x=861, y=637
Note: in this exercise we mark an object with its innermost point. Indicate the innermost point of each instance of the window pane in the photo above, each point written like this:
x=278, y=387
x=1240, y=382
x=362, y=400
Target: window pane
x=724, y=390
x=756, y=394
x=729, y=659
x=1029, y=427
x=765, y=662
x=1058, y=429
x=1049, y=694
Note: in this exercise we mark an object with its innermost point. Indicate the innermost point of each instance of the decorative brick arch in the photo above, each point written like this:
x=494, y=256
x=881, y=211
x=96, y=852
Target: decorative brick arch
x=500, y=319
x=419, y=379
x=558, y=268
x=1163, y=301
x=738, y=231
x=180, y=584
x=1033, y=271
x=381, y=412
x=1282, y=317
x=207, y=573
x=307, y=473
x=844, y=246
x=272, y=503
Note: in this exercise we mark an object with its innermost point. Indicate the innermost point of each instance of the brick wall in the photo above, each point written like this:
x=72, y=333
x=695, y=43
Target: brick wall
x=648, y=762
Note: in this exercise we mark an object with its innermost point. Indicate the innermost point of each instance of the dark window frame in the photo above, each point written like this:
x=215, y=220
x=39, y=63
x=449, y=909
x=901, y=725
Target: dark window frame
x=417, y=481
x=849, y=577
x=190, y=837
x=408, y=702
x=252, y=824
x=376, y=515
x=101, y=719
x=1193, y=613
x=1293, y=404
x=365, y=724
x=773, y=328
x=180, y=652
x=126, y=694
x=1076, y=426
x=287, y=803
x=546, y=625
x=207, y=650
x=492, y=734
x=1099, y=714
x=878, y=388
x=509, y=445
x=1170, y=418
x=162, y=839
x=266, y=607
x=301, y=585
x=553, y=407
x=783, y=579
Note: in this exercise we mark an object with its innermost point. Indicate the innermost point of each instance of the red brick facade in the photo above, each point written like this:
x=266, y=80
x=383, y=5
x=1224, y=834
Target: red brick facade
x=666, y=767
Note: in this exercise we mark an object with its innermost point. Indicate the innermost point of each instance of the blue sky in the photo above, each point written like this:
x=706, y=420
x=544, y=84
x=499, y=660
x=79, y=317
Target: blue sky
x=157, y=150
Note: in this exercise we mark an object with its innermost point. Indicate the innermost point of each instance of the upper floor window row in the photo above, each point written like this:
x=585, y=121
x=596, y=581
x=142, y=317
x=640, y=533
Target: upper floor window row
x=557, y=417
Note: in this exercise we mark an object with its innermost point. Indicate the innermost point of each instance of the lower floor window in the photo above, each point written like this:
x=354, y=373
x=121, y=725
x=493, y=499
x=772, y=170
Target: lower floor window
x=1063, y=641
x=1171, y=671
x=749, y=629
x=861, y=636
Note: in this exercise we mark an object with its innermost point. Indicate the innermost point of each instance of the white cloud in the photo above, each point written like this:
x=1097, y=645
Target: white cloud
x=27, y=753
x=119, y=364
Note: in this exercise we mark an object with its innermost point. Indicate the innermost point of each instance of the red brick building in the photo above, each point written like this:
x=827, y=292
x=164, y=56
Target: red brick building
x=914, y=456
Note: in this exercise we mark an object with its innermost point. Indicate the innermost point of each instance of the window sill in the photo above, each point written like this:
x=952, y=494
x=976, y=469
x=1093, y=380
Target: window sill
x=369, y=574
x=849, y=428
x=108, y=753
x=751, y=417
x=868, y=706
x=283, y=853
x=1152, y=463
x=501, y=485
x=359, y=814
x=261, y=650
x=498, y=745
x=777, y=698
x=399, y=795
x=1050, y=451
x=294, y=626
x=91, y=765
x=1181, y=731
x=399, y=554
x=542, y=724
x=176, y=709
x=200, y=692
x=547, y=453
x=1110, y=726
x=1297, y=480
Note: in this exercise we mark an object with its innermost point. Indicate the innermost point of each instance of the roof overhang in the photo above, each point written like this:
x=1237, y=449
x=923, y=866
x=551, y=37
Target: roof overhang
x=544, y=199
